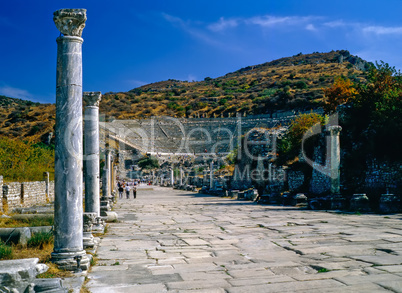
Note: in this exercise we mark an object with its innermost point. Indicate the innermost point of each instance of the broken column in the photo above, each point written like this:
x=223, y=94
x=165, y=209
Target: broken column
x=211, y=175
x=336, y=199
x=335, y=153
x=68, y=211
x=46, y=179
x=91, y=152
x=106, y=175
x=106, y=200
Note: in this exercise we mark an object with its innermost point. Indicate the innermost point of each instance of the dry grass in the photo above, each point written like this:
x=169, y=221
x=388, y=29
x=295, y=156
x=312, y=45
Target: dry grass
x=13, y=223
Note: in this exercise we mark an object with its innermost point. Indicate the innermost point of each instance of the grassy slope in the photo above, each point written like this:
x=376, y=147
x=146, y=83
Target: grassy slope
x=287, y=83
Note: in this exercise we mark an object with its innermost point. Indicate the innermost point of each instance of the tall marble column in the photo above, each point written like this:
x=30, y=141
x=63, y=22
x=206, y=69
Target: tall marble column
x=91, y=152
x=106, y=175
x=171, y=177
x=335, y=158
x=46, y=179
x=68, y=212
x=211, y=176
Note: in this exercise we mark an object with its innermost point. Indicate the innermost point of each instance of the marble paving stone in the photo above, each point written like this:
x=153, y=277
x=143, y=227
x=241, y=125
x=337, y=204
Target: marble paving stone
x=178, y=242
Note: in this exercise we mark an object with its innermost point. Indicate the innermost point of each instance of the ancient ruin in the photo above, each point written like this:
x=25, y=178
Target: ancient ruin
x=91, y=152
x=68, y=211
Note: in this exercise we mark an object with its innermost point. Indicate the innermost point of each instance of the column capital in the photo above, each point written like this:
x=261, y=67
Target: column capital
x=70, y=22
x=334, y=130
x=92, y=98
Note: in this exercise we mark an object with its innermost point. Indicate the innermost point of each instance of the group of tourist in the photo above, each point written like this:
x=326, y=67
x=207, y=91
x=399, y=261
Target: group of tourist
x=127, y=187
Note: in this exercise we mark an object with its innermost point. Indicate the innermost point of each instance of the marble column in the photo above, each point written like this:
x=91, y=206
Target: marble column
x=181, y=176
x=335, y=158
x=91, y=152
x=46, y=179
x=211, y=176
x=171, y=177
x=106, y=175
x=68, y=211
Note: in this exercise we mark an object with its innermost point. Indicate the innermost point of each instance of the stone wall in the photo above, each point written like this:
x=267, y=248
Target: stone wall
x=295, y=180
x=25, y=194
x=383, y=177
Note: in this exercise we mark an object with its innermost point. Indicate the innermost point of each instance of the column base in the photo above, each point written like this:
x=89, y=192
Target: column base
x=337, y=202
x=67, y=261
x=88, y=240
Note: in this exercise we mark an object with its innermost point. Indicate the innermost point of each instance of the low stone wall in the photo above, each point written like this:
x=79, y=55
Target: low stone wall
x=25, y=194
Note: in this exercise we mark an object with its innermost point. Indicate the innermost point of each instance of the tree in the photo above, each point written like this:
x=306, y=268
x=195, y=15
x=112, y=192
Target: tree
x=289, y=145
x=148, y=163
x=342, y=91
x=376, y=115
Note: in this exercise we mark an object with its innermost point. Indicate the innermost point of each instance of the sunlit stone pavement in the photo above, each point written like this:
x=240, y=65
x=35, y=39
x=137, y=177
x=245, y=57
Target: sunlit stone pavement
x=178, y=241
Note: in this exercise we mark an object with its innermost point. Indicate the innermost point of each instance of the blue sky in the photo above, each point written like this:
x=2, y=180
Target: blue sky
x=131, y=43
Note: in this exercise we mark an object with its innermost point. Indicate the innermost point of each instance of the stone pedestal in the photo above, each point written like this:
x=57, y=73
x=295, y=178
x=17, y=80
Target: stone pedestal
x=234, y=194
x=104, y=207
x=88, y=238
x=68, y=153
x=240, y=194
x=299, y=200
x=91, y=152
x=389, y=203
x=337, y=202
x=360, y=203
x=98, y=226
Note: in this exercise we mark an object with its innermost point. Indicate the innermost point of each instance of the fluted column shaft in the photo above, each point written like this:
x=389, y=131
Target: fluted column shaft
x=68, y=211
x=91, y=152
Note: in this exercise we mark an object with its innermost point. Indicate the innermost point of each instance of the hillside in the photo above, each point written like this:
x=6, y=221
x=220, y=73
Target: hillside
x=25, y=119
x=295, y=82
x=287, y=83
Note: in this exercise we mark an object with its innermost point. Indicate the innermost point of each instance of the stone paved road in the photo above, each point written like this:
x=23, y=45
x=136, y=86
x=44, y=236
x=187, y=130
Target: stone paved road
x=176, y=241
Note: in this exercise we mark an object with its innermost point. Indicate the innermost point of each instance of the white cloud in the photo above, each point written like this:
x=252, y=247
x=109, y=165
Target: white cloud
x=382, y=30
x=190, y=28
x=191, y=78
x=336, y=24
x=13, y=92
x=223, y=24
x=311, y=27
x=268, y=21
x=136, y=83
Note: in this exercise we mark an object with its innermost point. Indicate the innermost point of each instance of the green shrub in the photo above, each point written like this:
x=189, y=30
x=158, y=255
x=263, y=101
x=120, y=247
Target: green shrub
x=301, y=84
x=6, y=252
x=40, y=239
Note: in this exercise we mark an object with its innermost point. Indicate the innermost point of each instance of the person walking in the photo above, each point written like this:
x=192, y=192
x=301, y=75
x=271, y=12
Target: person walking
x=128, y=191
x=135, y=192
x=121, y=189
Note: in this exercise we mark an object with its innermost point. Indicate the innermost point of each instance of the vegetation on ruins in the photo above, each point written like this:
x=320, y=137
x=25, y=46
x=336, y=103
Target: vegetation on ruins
x=25, y=160
x=342, y=91
x=289, y=146
x=6, y=251
x=370, y=114
x=148, y=163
